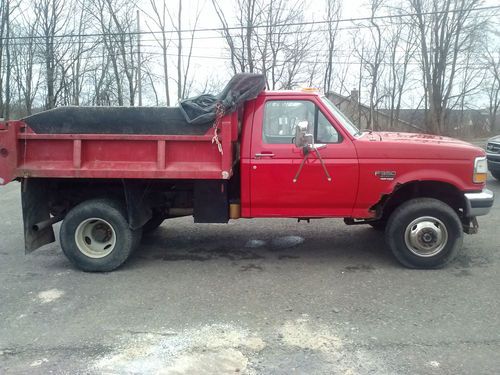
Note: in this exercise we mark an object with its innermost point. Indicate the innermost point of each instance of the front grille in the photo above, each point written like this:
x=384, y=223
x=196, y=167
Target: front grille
x=493, y=148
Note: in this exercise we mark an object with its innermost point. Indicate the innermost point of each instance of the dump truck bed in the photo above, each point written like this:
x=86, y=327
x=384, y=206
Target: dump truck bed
x=55, y=152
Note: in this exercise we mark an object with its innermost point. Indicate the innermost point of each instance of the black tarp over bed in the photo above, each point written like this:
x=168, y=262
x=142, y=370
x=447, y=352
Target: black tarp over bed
x=194, y=116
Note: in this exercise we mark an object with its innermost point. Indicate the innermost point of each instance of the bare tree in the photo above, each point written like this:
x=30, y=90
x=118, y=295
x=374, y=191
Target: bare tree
x=444, y=27
x=117, y=24
x=333, y=13
x=52, y=18
x=281, y=51
x=236, y=61
x=374, y=62
x=99, y=10
x=159, y=18
x=184, y=65
x=124, y=39
x=402, y=44
x=26, y=75
x=493, y=87
x=6, y=9
x=248, y=17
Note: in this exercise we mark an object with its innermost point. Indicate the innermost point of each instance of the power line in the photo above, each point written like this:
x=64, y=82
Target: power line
x=226, y=58
x=199, y=37
x=261, y=26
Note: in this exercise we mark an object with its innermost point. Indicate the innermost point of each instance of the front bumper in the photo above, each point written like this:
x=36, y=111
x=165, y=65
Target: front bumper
x=479, y=204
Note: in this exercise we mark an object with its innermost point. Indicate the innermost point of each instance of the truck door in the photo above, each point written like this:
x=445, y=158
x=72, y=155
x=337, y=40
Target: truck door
x=275, y=161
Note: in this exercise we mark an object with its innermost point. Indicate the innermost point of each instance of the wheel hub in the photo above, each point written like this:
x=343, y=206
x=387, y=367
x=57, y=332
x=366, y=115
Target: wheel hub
x=426, y=236
x=101, y=232
x=95, y=238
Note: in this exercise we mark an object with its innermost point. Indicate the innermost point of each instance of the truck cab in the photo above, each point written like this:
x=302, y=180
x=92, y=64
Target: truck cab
x=364, y=169
x=272, y=185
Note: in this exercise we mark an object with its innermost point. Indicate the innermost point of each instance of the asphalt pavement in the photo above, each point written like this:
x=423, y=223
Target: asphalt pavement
x=250, y=297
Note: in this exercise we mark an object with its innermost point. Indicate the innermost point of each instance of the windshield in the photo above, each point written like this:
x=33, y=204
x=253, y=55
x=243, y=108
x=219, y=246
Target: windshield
x=346, y=123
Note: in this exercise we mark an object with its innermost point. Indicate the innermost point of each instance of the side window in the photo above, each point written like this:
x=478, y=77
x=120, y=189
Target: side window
x=326, y=133
x=282, y=116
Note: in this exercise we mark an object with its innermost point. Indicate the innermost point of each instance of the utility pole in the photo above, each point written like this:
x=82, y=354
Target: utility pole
x=139, y=72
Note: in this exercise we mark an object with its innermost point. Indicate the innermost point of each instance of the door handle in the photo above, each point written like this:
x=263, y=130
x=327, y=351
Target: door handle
x=264, y=155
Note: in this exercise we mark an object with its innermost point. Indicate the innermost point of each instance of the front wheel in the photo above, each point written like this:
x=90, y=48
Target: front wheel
x=95, y=235
x=424, y=233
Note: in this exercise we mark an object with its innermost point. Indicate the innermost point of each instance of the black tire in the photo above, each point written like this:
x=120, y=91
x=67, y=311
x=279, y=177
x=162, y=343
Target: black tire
x=495, y=174
x=106, y=220
x=153, y=223
x=378, y=225
x=424, y=219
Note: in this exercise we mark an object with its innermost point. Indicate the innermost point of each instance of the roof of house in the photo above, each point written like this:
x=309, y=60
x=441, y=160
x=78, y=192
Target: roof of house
x=467, y=117
x=384, y=113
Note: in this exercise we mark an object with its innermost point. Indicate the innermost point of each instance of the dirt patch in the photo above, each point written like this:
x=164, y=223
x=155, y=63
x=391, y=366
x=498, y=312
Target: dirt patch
x=286, y=242
x=306, y=335
x=225, y=361
x=49, y=296
x=470, y=261
x=250, y=267
x=210, y=349
x=283, y=257
x=360, y=268
x=203, y=254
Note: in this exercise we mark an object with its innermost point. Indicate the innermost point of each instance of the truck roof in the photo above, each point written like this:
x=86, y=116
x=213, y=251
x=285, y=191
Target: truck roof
x=301, y=93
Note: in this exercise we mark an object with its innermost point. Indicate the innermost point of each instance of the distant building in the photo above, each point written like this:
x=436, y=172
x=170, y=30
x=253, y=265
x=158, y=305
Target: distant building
x=466, y=124
x=359, y=114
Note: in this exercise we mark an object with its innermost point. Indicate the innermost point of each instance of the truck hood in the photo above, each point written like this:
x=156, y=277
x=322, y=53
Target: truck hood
x=414, y=146
x=418, y=138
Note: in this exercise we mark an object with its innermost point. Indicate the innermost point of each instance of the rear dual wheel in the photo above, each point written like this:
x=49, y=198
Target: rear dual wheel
x=424, y=233
x=95, y=235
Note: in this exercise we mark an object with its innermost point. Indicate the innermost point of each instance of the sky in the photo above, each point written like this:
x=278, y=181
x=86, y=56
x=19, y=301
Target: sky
x=210, y=56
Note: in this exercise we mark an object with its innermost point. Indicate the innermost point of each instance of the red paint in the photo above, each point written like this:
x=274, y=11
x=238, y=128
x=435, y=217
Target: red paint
x=267, y=187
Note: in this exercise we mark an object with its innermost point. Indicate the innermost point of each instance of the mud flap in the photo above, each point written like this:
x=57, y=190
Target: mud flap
x=139, y=213
x=35, y=203
x=211, y=201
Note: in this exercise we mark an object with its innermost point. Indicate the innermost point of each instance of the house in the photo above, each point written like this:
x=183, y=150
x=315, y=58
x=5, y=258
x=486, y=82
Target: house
x=359, y=114
x=465, y=123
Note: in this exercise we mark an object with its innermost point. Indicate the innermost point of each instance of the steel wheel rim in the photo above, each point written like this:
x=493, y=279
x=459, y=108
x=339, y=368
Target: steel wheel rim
x=426, y=236
x=95, y=238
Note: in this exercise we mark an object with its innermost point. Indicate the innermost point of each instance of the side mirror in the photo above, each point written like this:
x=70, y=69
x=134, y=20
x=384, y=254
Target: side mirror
x=301, y=139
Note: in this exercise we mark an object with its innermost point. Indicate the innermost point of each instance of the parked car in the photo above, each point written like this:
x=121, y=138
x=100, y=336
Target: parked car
x=493, y=155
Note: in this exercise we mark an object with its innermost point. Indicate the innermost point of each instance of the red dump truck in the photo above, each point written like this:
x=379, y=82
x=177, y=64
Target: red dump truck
x=109, y=174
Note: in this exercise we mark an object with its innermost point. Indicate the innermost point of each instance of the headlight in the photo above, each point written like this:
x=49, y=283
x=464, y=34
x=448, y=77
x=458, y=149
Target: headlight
x=480, y=170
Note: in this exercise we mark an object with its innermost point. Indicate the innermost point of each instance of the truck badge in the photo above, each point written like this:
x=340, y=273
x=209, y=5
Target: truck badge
x=386, y=175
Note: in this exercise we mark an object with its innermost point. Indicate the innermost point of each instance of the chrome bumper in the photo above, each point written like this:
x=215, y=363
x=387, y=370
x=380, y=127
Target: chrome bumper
x=479, y=204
